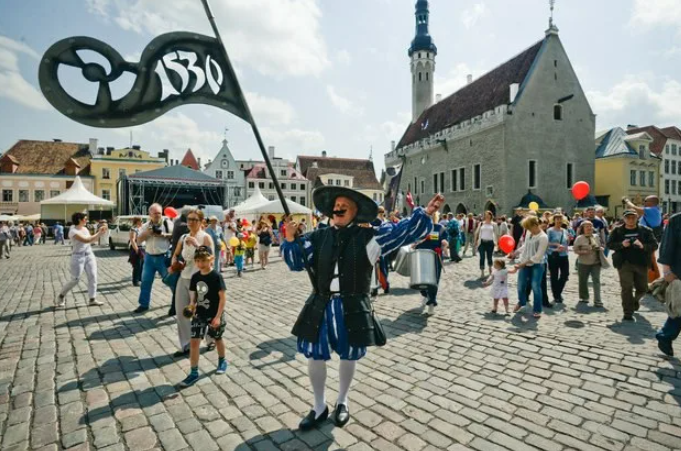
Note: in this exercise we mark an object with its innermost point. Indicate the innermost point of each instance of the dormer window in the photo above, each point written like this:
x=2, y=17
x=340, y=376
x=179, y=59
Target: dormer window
x=642, y=152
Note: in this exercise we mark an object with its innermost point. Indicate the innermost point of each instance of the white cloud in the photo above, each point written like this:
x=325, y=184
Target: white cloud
x=636, y=100
x=293, y=141
x=471, y=16
x=269, y=110
x=455, y=79
x=343, y=57
x=343, y=104
x=13, y=85
x=652, y=13
x=274, y=37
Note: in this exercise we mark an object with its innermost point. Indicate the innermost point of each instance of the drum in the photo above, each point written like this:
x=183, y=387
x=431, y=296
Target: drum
x=422, y=269
x=402, y=261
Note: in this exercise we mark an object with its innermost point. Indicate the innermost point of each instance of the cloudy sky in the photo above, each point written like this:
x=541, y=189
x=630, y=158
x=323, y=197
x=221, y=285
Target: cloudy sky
x=334, y=74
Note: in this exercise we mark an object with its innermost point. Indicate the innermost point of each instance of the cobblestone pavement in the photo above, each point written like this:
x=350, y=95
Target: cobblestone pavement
x=103, y=378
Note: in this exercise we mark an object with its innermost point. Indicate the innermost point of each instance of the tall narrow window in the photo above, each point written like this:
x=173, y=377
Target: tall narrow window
x=570, y=178
x=462, y=179
x=558, y=112
x=476, y=177
x=666, y=186
x=632, y=177
x=435, y=183
x=442, y=182
x=455, y=186
x=420, y=79
x=642, y=152
x=651, y=179
x=423, y=187
x=642, y=178
x=532, y=174
x=666, y=166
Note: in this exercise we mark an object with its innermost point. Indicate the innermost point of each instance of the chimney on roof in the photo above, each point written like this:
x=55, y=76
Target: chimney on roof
x=392, y=145
x=314, y=164
x=198, y=161
x=469, y=79
x=136, y=147
x=93, y=146
x=100, y=151
x=513, y=91
x=631, y=126
x=270, y=152
x=57, y=140
x=323, y=153
x=438, y=98
x=164, y=155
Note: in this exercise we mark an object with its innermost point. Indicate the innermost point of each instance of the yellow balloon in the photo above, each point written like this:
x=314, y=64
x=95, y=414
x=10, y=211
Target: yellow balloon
x=534, y=206
x=234, y=241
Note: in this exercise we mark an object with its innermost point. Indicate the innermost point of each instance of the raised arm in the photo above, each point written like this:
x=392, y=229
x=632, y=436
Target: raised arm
x=293, y=254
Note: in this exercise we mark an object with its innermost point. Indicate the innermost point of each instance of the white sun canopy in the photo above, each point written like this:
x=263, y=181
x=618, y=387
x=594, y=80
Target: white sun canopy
x=255, y=199
x=77, y=195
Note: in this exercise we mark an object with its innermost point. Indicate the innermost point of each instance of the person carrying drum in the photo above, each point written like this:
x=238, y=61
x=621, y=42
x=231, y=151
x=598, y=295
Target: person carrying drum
x=435, y=241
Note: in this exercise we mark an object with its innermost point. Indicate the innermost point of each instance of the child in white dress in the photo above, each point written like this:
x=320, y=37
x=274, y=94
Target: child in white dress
x=499, y=281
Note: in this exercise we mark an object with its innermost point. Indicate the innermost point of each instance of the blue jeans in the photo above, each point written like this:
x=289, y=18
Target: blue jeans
x=152, y=265
x=531, y=276
x=670, y=331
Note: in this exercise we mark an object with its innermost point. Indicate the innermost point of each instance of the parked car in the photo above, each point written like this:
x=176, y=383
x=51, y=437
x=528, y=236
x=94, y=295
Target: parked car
x=119, y=230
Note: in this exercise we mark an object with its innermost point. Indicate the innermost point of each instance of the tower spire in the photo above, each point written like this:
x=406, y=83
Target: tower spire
x=553, y=29
x=422, y=58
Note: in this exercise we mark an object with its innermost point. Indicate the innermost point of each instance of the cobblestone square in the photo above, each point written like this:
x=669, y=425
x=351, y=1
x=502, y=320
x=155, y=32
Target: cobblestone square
x=88, y=377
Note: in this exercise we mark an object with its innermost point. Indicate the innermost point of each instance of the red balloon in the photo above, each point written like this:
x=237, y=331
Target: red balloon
x=506, y=244
x=170, y=212
x=580, y=190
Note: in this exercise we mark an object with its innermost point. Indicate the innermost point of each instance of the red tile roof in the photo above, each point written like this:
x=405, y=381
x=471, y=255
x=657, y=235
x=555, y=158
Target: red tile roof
x=672, y=132
x=48, y=157
x=480, y=96
x=259, y=171
x=659, y=137
x=362, y=170
x=189, y=161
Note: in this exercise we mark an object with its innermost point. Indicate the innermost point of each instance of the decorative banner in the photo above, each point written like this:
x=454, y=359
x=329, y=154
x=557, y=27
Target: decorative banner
x=175, y=69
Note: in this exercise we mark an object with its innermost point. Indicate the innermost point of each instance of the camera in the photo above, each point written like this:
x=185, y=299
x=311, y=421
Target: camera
x=157, y=229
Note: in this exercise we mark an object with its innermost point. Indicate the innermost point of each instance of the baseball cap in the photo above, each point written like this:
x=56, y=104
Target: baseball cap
x=629, y=212
x=212, y=218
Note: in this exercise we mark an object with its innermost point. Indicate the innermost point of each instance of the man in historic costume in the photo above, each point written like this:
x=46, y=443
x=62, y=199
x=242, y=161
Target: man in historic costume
x=380, y=274
x=435, y=241
x=338, y=314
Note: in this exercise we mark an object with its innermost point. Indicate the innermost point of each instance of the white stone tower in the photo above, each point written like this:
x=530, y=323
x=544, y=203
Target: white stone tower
x=422, y=59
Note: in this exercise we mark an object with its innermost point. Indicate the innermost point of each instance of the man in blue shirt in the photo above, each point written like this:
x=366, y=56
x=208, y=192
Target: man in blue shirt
x=434, y=241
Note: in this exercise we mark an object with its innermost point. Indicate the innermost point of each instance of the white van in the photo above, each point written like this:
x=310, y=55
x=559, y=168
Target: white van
x=119, y=230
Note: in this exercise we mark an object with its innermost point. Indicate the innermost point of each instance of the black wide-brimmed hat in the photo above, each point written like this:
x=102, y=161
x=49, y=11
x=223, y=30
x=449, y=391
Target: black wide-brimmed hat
x=324, y=199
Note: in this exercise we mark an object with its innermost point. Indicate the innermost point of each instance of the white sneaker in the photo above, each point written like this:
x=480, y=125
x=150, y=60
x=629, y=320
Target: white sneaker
x=431, y=309
x=60, y=302
x=96, y=302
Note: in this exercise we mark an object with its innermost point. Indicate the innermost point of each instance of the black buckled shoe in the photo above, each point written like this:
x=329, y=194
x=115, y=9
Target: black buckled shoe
x=341, y=415
x=310, y=421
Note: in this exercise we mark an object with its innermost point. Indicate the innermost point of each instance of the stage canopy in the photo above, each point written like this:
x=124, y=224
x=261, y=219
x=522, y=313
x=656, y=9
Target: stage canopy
x=172, y=186
x=253, y=200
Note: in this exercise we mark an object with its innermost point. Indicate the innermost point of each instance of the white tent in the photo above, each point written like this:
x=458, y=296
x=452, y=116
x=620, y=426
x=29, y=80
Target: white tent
x=255, y=199
x=5, y=218
x=76, y=198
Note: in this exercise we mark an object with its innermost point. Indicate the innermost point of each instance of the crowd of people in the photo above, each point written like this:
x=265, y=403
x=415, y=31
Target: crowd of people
x=349, y=251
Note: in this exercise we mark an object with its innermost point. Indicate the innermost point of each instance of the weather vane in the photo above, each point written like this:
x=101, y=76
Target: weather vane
x=552, y=3
x=225, y=133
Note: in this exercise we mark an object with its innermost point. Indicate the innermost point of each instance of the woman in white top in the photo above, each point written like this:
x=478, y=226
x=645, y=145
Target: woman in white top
x=82, y=258
x=531, y=265
x=186, y=247
x=485, y=241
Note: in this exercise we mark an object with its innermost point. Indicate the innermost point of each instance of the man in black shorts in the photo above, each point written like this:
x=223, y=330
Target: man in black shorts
x=207, y=304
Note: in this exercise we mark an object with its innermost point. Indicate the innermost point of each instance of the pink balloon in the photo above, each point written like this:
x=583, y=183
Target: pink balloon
x=580, y=190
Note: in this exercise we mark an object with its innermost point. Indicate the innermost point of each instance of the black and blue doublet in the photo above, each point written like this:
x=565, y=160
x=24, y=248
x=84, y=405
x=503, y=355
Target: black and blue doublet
x=337, y=315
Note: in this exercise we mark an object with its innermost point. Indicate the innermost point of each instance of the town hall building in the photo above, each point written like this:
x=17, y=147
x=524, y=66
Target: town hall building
x=521, y=132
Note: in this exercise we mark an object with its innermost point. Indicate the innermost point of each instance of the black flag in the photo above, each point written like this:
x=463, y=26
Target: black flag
x=174, y=69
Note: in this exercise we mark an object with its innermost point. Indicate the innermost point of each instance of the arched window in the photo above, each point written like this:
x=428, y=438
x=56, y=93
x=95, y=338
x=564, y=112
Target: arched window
x=420, y=76
x=557, y=113
x=426, y=76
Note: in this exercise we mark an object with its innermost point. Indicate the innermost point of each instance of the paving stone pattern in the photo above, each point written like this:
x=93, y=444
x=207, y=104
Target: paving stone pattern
x=86, y=378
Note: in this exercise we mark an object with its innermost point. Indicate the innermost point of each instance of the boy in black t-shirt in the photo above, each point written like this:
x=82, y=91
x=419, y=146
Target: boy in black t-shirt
x=207, y=304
